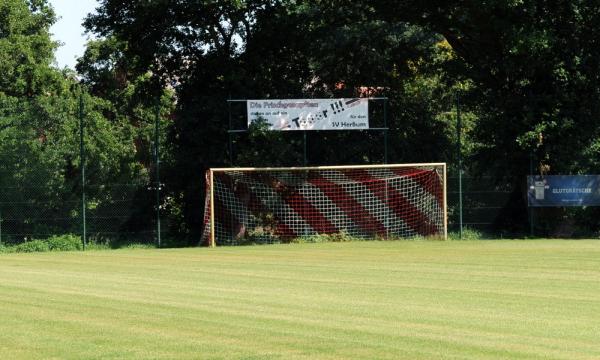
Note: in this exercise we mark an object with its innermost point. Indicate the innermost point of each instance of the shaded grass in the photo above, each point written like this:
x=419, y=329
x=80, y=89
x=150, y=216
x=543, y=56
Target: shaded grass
x=372, y=300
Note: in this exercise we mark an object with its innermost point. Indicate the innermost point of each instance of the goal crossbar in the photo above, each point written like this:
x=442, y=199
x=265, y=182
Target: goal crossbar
x=332, y=167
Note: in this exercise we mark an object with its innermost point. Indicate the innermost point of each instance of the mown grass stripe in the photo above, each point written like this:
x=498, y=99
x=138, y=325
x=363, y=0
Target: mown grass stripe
x=384, y=300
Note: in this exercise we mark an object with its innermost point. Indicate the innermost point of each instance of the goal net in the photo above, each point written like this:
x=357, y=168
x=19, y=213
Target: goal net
x=269, y=205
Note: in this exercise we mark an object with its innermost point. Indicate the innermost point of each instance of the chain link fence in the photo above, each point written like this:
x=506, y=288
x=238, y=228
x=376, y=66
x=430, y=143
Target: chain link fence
x=40, y=212
x=64, y=170
x=67, y=170
x=496, y=209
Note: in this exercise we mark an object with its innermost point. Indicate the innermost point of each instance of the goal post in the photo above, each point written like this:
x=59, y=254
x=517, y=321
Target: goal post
x=272, y=205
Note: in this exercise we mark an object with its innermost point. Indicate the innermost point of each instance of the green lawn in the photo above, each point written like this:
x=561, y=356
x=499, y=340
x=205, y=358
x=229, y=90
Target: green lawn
x=363, y=300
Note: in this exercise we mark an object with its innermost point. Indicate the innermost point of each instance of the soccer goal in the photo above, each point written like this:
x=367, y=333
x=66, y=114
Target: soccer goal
x=266, y=205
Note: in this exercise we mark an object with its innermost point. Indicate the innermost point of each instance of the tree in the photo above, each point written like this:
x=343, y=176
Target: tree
x=535, y=70
x=40, y=160
x=534, y=66
x=26, y=50
x=213, y=51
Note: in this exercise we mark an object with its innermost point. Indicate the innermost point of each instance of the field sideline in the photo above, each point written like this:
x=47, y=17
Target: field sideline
x=537, y=299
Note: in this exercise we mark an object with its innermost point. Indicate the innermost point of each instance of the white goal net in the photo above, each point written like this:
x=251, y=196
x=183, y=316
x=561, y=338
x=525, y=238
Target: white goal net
x=266, y=205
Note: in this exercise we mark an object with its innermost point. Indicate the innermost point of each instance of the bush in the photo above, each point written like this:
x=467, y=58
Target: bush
x=97, y=246
x=139, y=246
x=68, y=242
x=324, y=238
x=467, y=234
x=32, y=246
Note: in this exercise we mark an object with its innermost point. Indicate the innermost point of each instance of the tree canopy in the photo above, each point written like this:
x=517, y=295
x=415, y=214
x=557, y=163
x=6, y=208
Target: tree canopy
x=526, y=72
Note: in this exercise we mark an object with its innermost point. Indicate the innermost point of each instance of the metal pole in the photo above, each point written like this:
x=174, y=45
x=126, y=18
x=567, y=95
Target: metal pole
x=385, y=161
x=531, y=219
x=82, y=159
x=459, y=154
x=385, y=132
x=305, y=157
x=229, y=135
x=0, y=216
x=305, y=162
x=157, y=164
x=230, y=150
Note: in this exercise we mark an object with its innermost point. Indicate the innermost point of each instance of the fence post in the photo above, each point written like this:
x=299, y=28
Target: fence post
x=385, y=161
x=531, y=218
x=385, y=131
x=305, y=150
x=82, y=159
x=459, y=154
x=157, y=164
x=229, y=134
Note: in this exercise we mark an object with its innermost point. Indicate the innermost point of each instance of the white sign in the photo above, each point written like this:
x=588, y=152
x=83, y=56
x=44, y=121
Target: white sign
x=310, y=114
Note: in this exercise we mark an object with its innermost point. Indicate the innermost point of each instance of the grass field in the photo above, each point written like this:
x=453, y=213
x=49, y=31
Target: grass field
x=361, y=300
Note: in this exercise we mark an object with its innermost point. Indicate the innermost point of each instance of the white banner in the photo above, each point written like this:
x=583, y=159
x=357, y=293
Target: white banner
x=310, y=114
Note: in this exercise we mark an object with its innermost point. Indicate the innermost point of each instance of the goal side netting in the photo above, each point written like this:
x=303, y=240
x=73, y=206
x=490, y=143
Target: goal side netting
x=269, y=205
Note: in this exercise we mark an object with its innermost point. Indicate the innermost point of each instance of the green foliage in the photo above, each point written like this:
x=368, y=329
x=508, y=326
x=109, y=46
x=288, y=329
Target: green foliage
x=40, y=161
x=210, y=52
x=259, y=235
x=68, y=242
x=256, y=148
x=266, y=236
x=526, y=72
x=326, y=238
x=139, y=246
x=93, y=246
x=467, y=234
x=32, y=246
x=26, y=49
